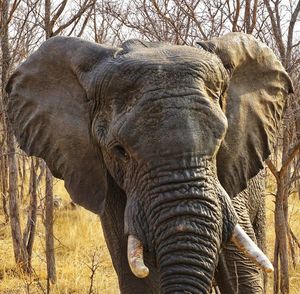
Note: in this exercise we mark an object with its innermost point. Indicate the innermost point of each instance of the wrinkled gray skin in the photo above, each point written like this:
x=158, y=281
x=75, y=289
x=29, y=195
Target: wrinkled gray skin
x=145, y=135
x=235, y=272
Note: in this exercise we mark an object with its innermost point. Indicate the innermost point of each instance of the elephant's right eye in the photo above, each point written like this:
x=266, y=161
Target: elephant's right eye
x=120, y=152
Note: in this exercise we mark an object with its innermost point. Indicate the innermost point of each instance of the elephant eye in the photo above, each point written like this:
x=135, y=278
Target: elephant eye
x=120, y=152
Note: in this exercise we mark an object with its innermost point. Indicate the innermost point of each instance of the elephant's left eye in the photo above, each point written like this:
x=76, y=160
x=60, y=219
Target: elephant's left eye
x=120, y=152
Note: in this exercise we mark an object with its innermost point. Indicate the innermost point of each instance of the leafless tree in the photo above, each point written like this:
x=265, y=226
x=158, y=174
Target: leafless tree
x=93, y=266
x=290, y=143
x=50, y=254
x=20, y=252
x=29, y=232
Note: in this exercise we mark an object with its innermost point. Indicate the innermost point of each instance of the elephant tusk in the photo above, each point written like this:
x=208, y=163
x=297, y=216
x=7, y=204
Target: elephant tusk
x=135, y=257
x=250, y=249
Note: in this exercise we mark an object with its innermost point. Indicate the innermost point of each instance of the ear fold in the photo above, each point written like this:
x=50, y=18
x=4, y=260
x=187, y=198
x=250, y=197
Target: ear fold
x=49, y=108
x=256, y=95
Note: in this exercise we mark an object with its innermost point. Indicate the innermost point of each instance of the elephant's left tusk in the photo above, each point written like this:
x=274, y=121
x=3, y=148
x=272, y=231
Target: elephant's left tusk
x=246, y=245
x=135, y=257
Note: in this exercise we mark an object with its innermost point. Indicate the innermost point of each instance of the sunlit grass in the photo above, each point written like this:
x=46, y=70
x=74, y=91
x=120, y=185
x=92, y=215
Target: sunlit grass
x=78, y=237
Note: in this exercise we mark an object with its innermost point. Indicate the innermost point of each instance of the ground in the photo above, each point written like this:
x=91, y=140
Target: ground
x=79, y=241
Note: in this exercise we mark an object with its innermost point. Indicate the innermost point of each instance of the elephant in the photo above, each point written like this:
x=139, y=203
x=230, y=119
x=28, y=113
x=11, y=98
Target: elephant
x=159, y=140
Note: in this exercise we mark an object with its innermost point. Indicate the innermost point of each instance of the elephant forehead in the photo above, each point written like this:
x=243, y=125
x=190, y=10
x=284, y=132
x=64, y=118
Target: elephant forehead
x=168, y=54
x=166, y=65
x=165, y=69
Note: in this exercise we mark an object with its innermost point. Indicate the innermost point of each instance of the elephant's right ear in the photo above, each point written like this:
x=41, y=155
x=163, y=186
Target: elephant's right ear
x=49, y=109
x=257, y=90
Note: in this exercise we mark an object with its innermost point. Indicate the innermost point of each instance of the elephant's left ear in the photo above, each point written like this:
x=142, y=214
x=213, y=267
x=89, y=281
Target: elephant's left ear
x=256, y=95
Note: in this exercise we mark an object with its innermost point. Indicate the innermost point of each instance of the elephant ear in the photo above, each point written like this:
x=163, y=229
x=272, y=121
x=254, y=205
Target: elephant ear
x=256, y=93
x=50, y=96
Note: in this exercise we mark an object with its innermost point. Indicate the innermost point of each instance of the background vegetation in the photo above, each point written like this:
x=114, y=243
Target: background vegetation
x=61, y=250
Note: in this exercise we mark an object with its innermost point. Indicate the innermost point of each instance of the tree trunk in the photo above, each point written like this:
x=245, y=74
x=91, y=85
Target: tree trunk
x=48, y=30
x=29, y=233
x=3, y=162
x=51, y=271
x=21, y=256
x=3, y=184
x=19, y=250
x=50, y=253
x=281, y=248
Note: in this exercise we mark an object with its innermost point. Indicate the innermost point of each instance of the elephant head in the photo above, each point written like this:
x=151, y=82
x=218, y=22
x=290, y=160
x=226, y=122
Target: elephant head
x=179, y=129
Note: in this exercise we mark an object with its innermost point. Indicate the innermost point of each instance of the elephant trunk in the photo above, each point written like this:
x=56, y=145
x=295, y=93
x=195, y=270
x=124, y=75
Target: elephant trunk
x=175, y=213
x=189, y=215
x=188, y=247
x=186, y=218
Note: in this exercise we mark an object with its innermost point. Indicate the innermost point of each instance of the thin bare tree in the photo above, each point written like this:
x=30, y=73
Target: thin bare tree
x=290, y=143
x=20, y=252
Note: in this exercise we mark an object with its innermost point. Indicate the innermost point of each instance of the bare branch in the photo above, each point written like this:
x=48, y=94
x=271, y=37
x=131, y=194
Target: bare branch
x=85, y=6
x=273, y=169
x=291, y=154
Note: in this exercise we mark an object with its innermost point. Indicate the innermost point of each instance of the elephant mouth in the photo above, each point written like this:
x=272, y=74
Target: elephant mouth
x=238, y=237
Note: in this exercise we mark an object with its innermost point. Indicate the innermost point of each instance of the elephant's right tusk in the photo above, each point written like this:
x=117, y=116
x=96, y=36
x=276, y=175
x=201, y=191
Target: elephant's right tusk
x=246, y=245
x=135, y=257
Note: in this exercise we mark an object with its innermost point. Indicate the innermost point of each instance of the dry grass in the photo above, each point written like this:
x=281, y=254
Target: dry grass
x=78, y=238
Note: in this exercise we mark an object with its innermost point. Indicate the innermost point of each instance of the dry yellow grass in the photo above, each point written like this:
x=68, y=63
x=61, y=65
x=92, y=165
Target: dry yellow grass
x=78, y=237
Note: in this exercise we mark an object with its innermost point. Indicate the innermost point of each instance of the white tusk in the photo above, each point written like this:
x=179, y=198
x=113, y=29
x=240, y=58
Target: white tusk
x=250, y=249
x=135, y=257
